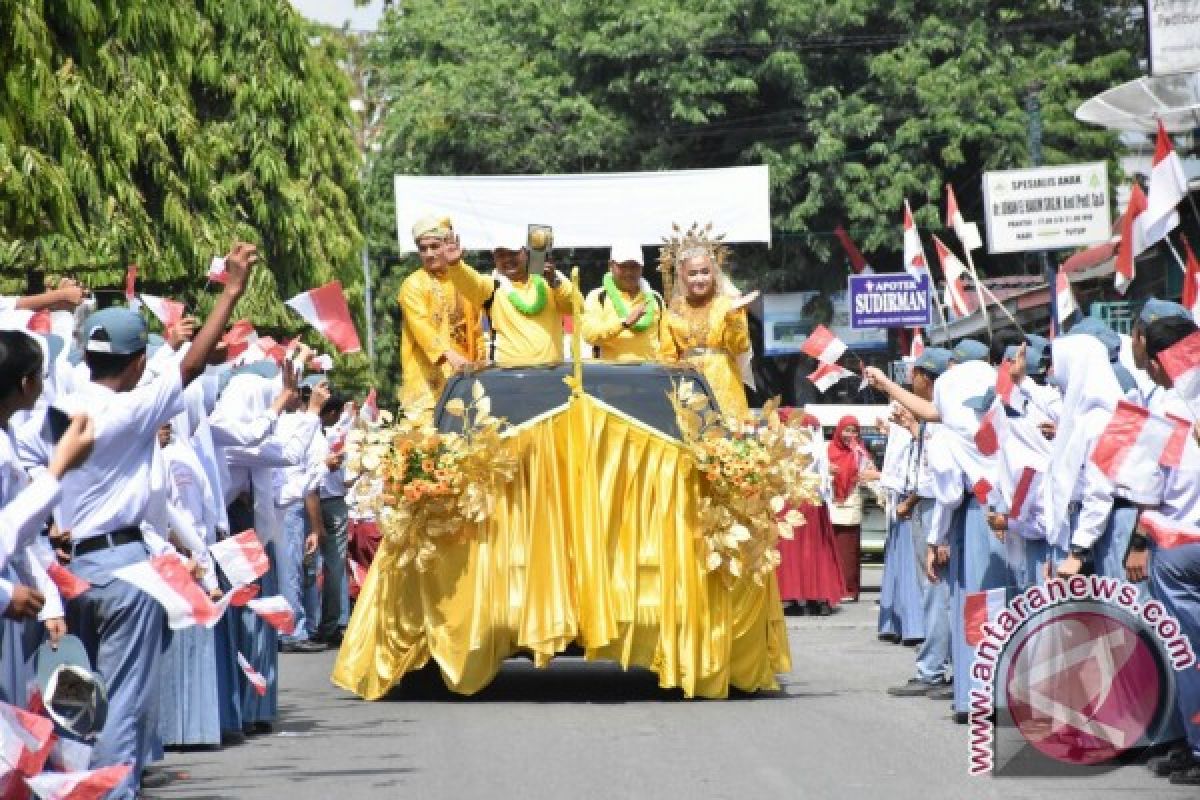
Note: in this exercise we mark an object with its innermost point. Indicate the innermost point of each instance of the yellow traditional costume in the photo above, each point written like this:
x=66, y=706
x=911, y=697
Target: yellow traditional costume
x=526, y=315
x=708, y=336
x=434, y=318
x=604, y=325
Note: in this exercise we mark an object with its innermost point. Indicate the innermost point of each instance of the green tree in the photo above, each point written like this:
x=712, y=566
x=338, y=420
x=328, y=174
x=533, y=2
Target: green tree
x=158, y=132
x=854, y=104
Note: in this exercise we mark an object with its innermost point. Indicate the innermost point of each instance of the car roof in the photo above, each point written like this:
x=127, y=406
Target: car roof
x=520, y=393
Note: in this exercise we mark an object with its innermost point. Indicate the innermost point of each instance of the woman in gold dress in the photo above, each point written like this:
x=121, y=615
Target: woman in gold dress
x=706, y=325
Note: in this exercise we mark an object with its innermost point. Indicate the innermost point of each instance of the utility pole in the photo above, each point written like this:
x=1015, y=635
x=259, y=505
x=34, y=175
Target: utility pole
x=1033, y=112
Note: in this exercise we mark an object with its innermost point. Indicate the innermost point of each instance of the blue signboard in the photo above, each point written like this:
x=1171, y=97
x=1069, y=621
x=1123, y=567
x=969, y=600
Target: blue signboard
x=891, y=300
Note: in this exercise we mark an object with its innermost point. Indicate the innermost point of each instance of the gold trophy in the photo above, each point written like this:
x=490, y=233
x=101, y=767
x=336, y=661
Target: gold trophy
x=539, y=241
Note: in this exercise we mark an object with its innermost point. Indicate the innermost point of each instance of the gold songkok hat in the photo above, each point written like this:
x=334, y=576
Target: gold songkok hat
x=431, y=226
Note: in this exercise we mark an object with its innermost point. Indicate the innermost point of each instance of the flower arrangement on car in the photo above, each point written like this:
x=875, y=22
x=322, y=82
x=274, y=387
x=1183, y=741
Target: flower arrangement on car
x=753, y=475
x=427, y=487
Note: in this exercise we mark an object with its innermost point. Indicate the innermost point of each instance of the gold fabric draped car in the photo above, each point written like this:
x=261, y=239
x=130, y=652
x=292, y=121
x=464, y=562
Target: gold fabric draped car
x=593, y=542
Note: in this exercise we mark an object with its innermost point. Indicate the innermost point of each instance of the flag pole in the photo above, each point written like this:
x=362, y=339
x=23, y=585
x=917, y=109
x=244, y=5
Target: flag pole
x=1174, y=252
x=979, y=288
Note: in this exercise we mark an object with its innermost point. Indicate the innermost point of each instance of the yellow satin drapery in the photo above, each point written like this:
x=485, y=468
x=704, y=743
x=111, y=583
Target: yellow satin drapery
x=593, y=541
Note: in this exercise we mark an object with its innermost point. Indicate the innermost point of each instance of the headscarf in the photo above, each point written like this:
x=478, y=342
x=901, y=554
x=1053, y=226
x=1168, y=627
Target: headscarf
x=1082, y=368
x=953, y=444
x=845, y=459
x=722, y=286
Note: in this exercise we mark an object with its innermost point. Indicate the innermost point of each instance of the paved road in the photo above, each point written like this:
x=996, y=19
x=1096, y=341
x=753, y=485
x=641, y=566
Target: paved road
x=583, y=730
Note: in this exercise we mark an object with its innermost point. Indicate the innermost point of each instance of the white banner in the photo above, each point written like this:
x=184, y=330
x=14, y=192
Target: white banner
x=593, y=210
x=1174, y=27
x=1046, y=208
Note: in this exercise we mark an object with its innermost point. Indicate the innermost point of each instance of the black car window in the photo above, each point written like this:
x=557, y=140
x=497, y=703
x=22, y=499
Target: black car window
x=519, y=394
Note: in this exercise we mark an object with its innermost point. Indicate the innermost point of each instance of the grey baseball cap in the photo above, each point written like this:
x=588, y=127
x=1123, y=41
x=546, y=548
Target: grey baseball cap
x=75, y=697
x=1156, y=309
x=935, y=361
x=970, y=350
x=115, y=330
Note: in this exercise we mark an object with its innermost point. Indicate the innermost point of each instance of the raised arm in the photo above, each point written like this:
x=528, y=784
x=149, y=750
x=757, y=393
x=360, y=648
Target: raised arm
x=238, y=265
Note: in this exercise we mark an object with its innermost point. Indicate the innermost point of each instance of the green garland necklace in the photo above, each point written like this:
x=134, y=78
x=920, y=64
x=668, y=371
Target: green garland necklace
x=539, y=301
x=618, y=302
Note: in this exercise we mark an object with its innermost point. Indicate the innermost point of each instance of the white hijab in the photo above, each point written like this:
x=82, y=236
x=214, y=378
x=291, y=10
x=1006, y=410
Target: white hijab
x=954, y=439
x=1090, y=388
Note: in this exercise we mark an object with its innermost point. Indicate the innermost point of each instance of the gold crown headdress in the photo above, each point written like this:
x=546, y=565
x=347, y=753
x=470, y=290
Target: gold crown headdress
x=681, y=245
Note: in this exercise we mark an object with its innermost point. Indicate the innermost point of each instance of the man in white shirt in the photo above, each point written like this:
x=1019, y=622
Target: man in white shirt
x=335, y=520
x=105, y=501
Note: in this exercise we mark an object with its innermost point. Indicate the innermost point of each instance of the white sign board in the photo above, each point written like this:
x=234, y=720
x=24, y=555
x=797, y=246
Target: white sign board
x=1046, y=208
x=1174, y=27
x=589, y=210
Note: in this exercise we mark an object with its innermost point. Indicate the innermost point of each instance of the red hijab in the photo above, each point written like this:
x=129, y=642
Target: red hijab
x=846, y=458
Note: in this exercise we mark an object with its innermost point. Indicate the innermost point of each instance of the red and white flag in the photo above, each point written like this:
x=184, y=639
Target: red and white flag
x=237, y=339
x=955, y=297
x=1064, y=299
x=1133, y=239
x=1024, y=489
x=89, y=785
x=1168, y=188
x=131, y=298
x=917, y=348
x=242, y=595
x=216, y=270
x=1134, y=441
x=68, y=755
x=1167, y=533
x=40, y=322
x=980, y=608
x=277, y=611
x=169, y=312
x=370, y=407
x=325, y=309
x=993, y=428
x=823, y=345
x=857, y=262
x=1181, y=362
x=967, y=232
x=242, y=557
x=826, y=375
x=24, y=741
x=357, y=574
x=254, y=676
x=69, y=584
x=982, y=490
x=166, y=578
x=1191, y=280
x=321, y=363
x=914, y=253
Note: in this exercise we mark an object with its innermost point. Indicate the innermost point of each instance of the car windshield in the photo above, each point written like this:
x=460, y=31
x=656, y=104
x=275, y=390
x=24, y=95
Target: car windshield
x=519, y=394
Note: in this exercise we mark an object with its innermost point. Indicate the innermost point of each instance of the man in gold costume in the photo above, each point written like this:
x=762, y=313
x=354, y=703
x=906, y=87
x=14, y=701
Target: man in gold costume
x=622, y=318
x=439, y=331
x=706, y=325
x=525, y=310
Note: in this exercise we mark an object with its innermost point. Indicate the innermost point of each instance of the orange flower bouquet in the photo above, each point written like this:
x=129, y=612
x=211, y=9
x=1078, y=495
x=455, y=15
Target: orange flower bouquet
x=426, y=487
x=750, y=472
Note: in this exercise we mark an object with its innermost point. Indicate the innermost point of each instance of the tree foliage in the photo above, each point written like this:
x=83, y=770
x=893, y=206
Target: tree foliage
x=157, y=132
x=854, y=104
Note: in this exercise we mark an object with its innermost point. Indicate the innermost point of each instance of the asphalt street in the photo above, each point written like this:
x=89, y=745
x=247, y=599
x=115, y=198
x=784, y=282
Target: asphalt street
x=589, y=730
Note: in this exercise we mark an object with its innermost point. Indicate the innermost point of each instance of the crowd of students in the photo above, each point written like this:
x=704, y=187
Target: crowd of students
x=1027, y=502
x=119, y=448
